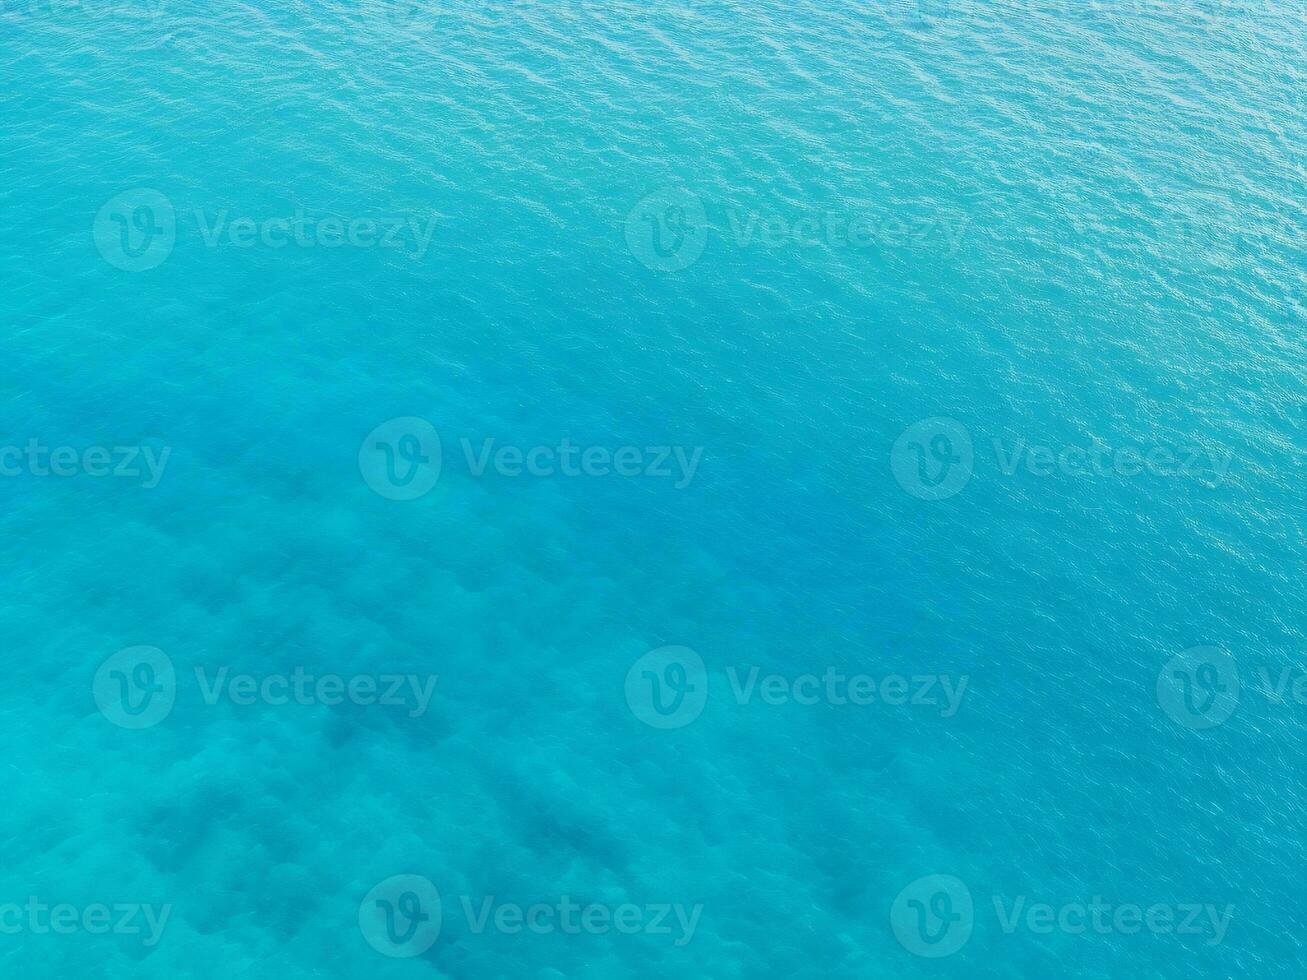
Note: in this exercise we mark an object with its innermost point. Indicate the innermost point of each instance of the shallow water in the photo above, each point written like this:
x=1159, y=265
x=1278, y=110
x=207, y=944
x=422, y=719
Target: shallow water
x=929, y=377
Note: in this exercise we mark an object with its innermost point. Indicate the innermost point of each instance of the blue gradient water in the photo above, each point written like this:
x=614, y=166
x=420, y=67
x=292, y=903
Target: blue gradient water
x=783, y=234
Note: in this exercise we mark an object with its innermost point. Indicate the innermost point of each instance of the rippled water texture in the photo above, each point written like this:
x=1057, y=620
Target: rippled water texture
x=945, y=342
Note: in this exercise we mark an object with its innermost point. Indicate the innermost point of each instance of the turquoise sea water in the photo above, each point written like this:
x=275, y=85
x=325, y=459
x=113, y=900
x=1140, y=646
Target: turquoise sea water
x=952, y=346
